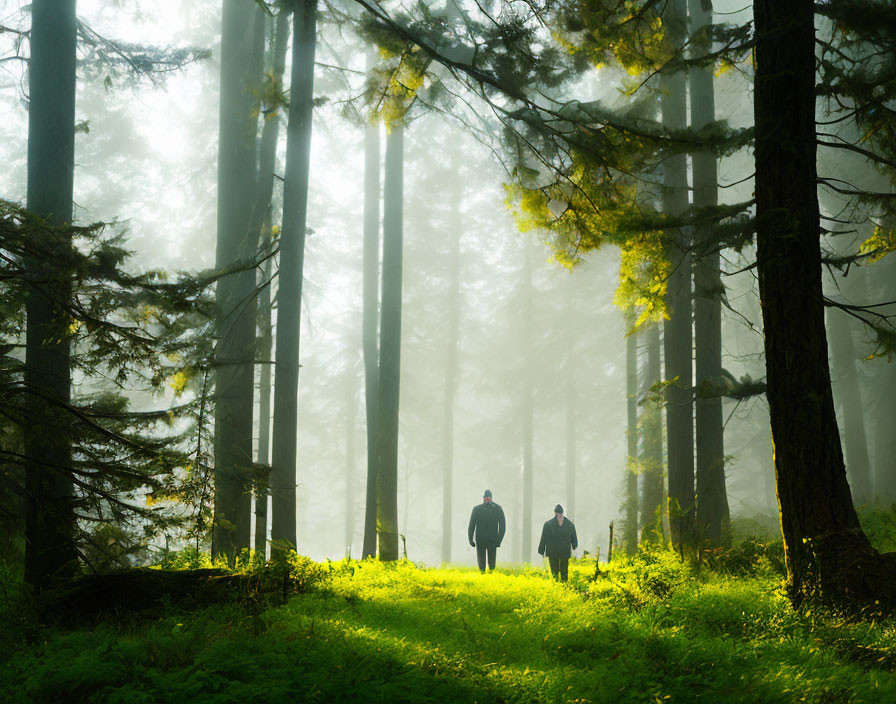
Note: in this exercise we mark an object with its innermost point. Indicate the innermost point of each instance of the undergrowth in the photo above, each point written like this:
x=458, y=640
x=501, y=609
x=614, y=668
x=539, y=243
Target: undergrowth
x=648, y=629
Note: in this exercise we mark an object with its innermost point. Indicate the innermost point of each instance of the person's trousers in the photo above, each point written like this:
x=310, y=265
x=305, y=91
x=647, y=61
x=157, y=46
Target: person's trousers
x=559, y=565
x=482, y=552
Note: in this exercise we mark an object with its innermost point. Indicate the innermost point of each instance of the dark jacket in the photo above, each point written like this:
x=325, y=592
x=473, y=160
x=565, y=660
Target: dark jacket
x=557, y=540
x=487, y=522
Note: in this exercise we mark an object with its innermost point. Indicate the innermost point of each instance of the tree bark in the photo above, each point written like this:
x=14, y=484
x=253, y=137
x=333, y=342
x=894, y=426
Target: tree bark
x=678, y=333
x=827, y=555
x=292, y=260
x=451, y=370
x=49, y=522
x=652, y=444
x=390, y=348
x=242, y=52
x=369, y=324
x=713, y=518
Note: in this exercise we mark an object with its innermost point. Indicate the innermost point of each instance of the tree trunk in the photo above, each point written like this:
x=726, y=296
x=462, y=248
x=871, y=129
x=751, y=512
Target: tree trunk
x=527, y=403
x=828, y=557
x=242, y=52
x=451, y=371
x=265, y=348
x=369, y=321
x=49, y=523
x=846, y=389
x=570, y=393
x=292, y=259
x=678, y=333
x=652, y=444
x=630, y=536
x=712, y=498
x=351, y=422
x=264, y=345
x=390, y=348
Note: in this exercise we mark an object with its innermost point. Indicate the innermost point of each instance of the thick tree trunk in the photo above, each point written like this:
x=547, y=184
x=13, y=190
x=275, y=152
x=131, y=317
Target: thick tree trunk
x=846, y=390
x=652, y=444
x=678, y=332
x=292, y=260
x=264, y=345
x=390, y=348
x=630, y=535
x=527, y=403
x=49, y=523
x=242, y=52
x=828, y=557
x=451, y=371
x=712, y=498
x=369, y=323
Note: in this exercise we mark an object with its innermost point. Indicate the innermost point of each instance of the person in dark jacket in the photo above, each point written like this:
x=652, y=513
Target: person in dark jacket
x=558, y=540
x=487, y=526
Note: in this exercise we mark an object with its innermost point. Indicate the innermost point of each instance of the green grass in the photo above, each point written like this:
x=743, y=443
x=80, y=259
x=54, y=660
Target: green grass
x=651, y=630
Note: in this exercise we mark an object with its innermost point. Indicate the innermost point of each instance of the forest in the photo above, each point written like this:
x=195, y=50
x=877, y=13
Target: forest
x=448, y=351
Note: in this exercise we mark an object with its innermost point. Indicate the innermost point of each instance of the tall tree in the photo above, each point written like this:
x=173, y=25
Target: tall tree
x=569, y=393
x=527, y=402
x=292, y=260
x=50, y=522
x=369, y=324
x=390, y=347
x=262, y=219
x=630, y=536
x=451, y=367
x=242, y=52
x=651, y=427
x=827, y=555
x=848, y=394
x=351, y=411
x=712, y=497
x=678, y=333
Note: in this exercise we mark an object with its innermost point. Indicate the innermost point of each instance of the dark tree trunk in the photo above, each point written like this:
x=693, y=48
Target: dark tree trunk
x=630, y=535
x=242, y=52
x=451, y=372
x=828, y=557
x=49, y=523
x=712, y=497
x=292, y=259
x=264, y=345
x=652, y=444
x=390, y=348
x=369, y=324
x=678, y=332
x=846, y=389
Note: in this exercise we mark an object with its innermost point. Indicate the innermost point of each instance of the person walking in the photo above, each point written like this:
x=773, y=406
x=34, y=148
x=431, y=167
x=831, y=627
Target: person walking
x=558, y=540
x=486, y=530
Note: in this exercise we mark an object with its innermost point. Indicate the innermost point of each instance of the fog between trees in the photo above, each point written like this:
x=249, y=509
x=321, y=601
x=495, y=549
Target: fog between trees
x=146, y=157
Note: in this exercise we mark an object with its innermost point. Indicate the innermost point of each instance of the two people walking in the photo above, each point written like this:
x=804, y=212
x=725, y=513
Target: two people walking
x=487, y=527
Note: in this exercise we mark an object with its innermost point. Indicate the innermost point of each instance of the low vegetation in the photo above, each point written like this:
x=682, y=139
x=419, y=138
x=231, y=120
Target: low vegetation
x=649, y=629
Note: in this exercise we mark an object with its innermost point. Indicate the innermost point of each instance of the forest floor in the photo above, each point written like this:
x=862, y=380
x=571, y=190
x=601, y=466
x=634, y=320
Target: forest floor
x=649, y=630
